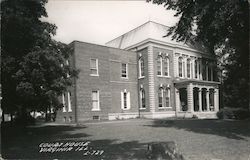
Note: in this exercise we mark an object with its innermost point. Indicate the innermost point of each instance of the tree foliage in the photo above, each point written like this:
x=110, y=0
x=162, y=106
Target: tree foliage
x=222, y=26
x=34, y=69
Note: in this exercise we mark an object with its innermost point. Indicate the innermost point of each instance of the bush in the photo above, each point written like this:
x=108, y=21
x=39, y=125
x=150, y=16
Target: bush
x=233, y=113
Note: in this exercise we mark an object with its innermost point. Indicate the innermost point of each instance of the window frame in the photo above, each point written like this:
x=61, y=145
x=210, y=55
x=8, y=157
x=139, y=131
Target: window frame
x=160, y=92
x=142, y=99
x=97, y=100
x=189, y=64
x=181, y=64
x=128, y=105
x=96, y=67
x=141, y=67
x=126, y=70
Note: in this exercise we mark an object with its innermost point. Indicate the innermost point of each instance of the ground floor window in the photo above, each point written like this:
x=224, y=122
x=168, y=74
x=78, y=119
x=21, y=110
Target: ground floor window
x=183, y=99
x=142, y=98
x=163, y=97
x=211, y=99
x=95, y=100
x=125, y=100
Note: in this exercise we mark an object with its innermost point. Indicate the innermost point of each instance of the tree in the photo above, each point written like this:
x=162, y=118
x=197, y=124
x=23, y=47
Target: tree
x=34, y=69
x=221, y=26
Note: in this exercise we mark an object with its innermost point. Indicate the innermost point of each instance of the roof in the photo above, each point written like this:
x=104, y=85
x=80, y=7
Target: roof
x=148, y=30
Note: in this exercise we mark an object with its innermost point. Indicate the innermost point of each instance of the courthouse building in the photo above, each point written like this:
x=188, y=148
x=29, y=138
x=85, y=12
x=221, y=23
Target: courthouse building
x=141, y=74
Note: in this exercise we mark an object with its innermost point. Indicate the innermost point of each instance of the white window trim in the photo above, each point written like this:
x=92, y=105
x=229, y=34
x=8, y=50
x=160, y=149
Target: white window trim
x=97, y=70
x=162, y=96
x=161, y=75
x=98, y=98
x=190, y=68
x=140, y=70
x=182, y=69
x=169, y=94
x=128, y=100
x=141, y=108
x=126, y=71
x=69, y=102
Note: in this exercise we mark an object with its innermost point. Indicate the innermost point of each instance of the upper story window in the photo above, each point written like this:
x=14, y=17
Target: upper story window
x=141, y=67
x=188, y=68
x=159, y=65
x=124, y=70
x=195, y=69
x=162, y=66
x=166, y=66
x=95, y=101
x=181, y=67
x=94, y=67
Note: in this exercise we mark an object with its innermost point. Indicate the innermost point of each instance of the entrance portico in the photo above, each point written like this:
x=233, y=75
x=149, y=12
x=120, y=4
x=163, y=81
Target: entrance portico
x=196, y=98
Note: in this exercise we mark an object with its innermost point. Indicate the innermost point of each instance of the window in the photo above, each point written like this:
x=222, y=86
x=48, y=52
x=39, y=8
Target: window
x=124, y=70
x=167, y=97
x=162, y=66
x=63, y=102
x=160, y=97
x=195, y=69
x=69, y=102
x=94, y=67
x=159, y=65
x=164, y=97
x=141, y=67
x=95, y=101
x=142, y=98
x=188, y=68
x=125, y=100
x=180, y=66
x=166, y=66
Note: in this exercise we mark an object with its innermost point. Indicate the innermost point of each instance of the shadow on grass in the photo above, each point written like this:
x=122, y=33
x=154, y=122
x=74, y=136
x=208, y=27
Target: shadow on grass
x=23, y=143
x=18, y=142
x=230, y=129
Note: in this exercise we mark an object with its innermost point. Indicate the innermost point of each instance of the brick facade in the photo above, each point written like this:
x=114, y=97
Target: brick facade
x=119, y=84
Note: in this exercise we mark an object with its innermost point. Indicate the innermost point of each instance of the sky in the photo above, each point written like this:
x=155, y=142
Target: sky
x=101, y=21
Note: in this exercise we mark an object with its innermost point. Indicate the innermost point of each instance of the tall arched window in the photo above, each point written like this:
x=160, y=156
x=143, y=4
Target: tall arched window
x=141, y=67
x=166, y=66
x=160, y=97
x=159, y=65
x=167, y=97
x=188, y=68
x=142, y=98
x=196, y=69
x=180, y=66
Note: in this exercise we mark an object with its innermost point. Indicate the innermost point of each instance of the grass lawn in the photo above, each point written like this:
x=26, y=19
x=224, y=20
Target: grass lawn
x=128, y=139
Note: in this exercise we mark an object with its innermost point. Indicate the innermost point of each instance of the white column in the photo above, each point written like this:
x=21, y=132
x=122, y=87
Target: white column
x=151, y=79
x=177, y=100
x=200, y=99
x=190, y=98
x=216, y=99
x=200, y=68
x=176, y=71
x=212, y=75
x=207, y=99
x=207, y=71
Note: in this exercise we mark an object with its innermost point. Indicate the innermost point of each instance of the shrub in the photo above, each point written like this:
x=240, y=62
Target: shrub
x=233, y=113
